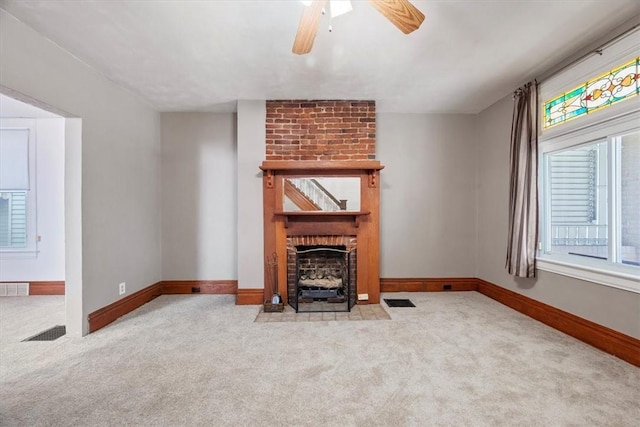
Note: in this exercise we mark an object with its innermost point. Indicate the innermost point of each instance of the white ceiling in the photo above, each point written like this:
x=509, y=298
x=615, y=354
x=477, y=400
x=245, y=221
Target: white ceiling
x=205, y=55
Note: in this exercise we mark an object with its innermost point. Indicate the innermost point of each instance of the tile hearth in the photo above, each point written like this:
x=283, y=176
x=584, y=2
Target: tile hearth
x=358, y=312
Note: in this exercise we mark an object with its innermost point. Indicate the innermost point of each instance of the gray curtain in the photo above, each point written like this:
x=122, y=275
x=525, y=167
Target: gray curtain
x=523, y=188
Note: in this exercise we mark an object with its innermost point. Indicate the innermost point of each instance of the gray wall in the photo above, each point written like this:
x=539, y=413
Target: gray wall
x=611, y=307
x=199, y=222
x=212, y=195
x=120, y=161
x=251, y=153
x=428, y=195
x=427, y=206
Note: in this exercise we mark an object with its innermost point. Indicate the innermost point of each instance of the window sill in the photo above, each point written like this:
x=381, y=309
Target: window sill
x=18, y=254
x=621, y=277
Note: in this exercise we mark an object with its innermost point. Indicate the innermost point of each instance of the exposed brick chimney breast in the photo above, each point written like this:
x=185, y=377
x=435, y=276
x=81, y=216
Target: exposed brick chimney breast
x=321, y=130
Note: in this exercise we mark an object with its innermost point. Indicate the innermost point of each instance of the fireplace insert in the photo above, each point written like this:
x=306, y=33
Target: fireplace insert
x=322, y=278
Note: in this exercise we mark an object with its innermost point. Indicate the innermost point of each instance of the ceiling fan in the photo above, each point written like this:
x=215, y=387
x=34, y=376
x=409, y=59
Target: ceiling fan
x=401, y=13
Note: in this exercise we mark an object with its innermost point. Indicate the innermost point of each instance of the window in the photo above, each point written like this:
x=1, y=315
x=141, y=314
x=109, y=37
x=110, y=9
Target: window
x=577, y=200
x=589, y=179
x=628, y=150
x=607, y=89
x=13, y=219
x=17, y=186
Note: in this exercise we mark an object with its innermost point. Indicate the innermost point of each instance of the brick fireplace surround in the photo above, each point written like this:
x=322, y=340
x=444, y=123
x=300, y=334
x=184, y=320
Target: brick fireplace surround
x=329, y=139
x=321, y=130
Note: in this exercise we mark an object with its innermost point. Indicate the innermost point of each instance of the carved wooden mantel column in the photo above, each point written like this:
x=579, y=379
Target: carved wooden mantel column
x=364, y=224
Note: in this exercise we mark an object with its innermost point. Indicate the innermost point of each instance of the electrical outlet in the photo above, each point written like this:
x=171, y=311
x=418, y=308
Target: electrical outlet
x=122, y=288
x=363, y=297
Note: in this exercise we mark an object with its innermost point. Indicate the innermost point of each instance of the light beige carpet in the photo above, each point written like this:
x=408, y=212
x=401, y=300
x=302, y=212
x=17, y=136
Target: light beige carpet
x=457, y=359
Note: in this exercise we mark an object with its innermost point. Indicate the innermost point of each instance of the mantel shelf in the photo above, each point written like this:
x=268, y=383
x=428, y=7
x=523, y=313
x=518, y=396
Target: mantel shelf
x=321, y=214
x=313, y=165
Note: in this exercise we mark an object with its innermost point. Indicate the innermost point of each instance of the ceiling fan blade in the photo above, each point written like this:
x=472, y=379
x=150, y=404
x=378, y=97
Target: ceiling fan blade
x=308, y=27
x=401, y=13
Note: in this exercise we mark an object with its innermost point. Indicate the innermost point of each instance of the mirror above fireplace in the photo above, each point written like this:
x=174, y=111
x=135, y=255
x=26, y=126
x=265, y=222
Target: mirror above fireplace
x=321, y=194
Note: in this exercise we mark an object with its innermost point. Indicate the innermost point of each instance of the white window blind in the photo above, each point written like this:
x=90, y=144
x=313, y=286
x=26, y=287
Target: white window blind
x=13, y=219
x=17, y=187
x=14, y=159
x=573, y=186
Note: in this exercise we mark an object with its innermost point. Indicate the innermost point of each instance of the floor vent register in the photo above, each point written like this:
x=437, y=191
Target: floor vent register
x=398, y=302
x=49, y=335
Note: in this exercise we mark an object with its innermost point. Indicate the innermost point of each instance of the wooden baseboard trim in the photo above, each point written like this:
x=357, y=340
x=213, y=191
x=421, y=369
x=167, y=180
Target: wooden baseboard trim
x=102, y=317
x=199, y=287
x=428, y=285
x=613, y=342
x=253, y=296
x=46, y=288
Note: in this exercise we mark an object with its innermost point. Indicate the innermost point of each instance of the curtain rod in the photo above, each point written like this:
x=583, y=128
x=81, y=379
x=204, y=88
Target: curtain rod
x=596, y=51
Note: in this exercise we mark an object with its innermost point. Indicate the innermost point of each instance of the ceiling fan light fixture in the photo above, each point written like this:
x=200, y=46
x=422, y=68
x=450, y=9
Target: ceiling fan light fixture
x=401, y=13
x=339, y=7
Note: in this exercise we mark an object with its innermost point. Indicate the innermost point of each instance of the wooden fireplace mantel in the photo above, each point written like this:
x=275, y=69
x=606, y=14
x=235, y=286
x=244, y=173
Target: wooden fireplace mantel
x=319, y=215
x=320, y=165
x=363, y=224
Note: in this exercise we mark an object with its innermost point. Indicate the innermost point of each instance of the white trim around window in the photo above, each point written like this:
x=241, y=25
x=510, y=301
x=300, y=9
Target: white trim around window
x=604, y=273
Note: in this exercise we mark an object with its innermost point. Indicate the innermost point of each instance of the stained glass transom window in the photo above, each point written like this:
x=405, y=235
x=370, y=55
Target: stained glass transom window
x=613, y=86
